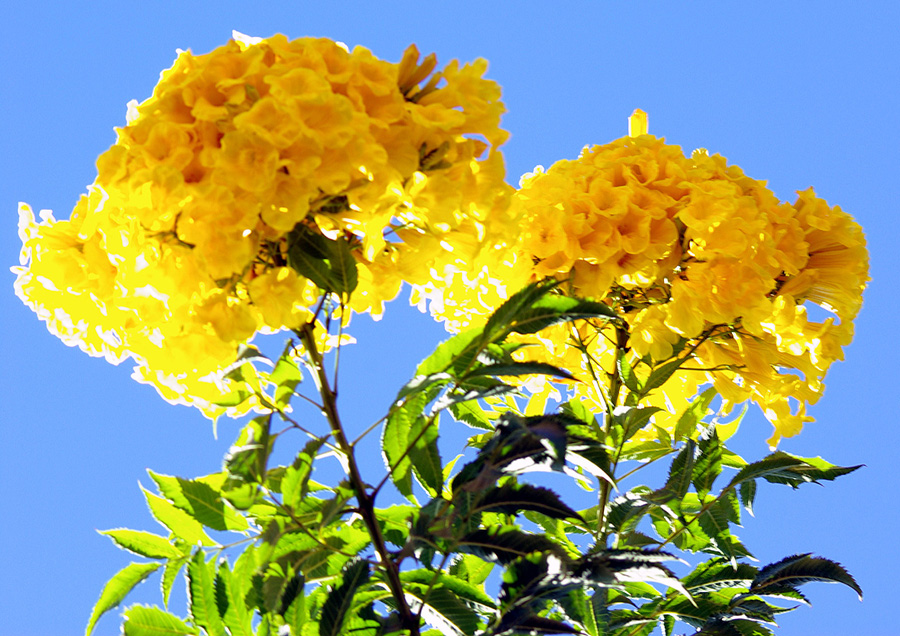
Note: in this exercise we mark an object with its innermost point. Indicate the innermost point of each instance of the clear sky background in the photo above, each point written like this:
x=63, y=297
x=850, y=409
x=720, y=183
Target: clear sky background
x=798, y=93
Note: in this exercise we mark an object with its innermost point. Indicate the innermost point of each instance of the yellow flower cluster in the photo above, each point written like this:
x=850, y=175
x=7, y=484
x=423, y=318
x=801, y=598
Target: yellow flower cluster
x=695, y=257
x=177, y=254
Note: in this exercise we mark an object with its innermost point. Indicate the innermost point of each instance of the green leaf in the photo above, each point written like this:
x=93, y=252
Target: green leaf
x=424, y=455
x=471, y=568
x=784, y=468
x=452, y=356
x=718, y=574
x=503, y=544
x=694, y=414
x=541, y=625
x=747, y=492
x=553, y=310
x=520, y=368
x=626, y=511
x=295, y=482
x=247, y=458
x=179, y=522
x=326, y=262
x=471, y=413
x=144, y=544
x=340, y=598
x=660, y=375
x=285, y=376
x=613, y=567
x=512, y=498
x=499, y=322
x=629, y=379
x=442, y=608
x=202, y=597
x=117, y=588
x=708, y=462
x=802, y=568
x=409, y=441
x=343, y=266
x=463, y=589
x=296, y=614
x=680, y=474
x=141, y=620
x=201, y=501
x=230, y=602
x=170, y=572
x=629, y=420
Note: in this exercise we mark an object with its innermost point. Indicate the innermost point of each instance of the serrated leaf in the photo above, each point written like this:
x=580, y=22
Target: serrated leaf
x=208, y=507
x=626, y=373
x=442, y=608
x=296, y=615
x=143, y=543
x=179, y=522
x=295, y=482
x=472, y=414
x=802, y=568
x=708, y=462
x=520, y=368
x=170, y=572
x=747, y=492
x=285, y=376
x=626, y=511
x=464, y=590
x=680, y=474
x=396, y=439
x=471, y=568
x=694, y=414
x=424, y=455
x=343, y=266
x=719, y=574
x=230, y=602
x=553, y=310
x=340, y=598
x=611, y=567
x=319, y=259
x=512, y=498
x=783, y=468
x=536, y=625
x=117, y=588
x=506, y=313
x=141, y=620
x=503, y=544
x=661, y=374
x=202, y=597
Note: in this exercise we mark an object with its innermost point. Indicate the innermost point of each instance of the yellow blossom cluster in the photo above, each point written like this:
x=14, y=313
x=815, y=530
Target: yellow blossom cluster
x=698, y=260
x=178, y=253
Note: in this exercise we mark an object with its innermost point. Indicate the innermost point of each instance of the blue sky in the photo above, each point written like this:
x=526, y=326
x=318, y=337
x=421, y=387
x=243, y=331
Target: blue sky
x=797, y=93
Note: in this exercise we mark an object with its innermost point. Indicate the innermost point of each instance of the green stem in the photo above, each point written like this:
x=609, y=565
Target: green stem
x=615, y=387
x=366, y=500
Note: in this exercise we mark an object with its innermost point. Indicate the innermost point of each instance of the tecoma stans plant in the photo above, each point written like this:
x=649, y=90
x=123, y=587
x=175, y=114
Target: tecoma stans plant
x=606, y=316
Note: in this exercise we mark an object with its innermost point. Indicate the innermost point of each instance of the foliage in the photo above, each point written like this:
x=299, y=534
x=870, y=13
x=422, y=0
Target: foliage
x=276, y=185
x=329, y=559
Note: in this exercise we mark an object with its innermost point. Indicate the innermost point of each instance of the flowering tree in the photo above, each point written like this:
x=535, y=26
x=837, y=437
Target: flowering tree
x=607, y=315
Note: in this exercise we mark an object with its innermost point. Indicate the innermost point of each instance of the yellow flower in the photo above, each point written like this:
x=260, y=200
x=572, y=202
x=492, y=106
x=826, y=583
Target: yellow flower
x=694, y=256
x=178, y=255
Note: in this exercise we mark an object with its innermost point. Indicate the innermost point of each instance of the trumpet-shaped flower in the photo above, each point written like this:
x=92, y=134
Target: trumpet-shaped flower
x=178, y=254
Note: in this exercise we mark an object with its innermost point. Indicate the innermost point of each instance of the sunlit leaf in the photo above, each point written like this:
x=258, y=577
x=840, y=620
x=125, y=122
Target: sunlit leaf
x=117, y=588
x=230, y=602
x=202, y=597
x=144, y=544
x=340, y=598
x=141, y=620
